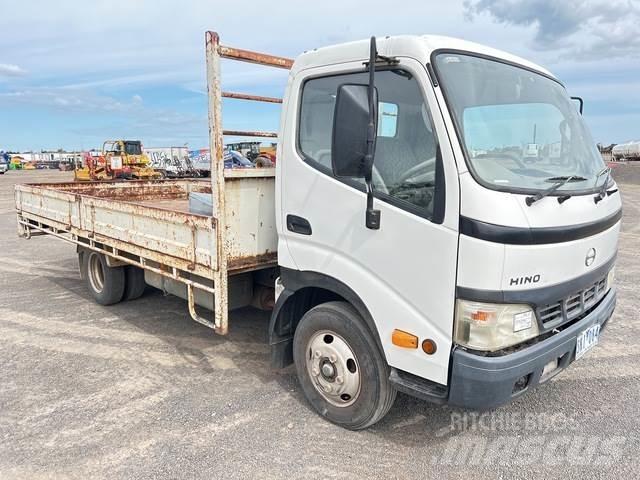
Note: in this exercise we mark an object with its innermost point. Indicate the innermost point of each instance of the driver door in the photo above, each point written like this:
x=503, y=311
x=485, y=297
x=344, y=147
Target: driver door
x=404, y=272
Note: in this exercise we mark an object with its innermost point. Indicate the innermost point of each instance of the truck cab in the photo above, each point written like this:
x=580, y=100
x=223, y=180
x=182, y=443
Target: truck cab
x=476, y=276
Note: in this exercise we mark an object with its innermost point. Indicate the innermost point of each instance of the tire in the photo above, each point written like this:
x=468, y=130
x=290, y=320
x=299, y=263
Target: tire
x=263, y=162
x=81, y=256
x=134, y=285
x=105, y=283
x=358, y=374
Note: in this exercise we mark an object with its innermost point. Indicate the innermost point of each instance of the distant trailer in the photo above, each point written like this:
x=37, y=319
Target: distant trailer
x=626, y=151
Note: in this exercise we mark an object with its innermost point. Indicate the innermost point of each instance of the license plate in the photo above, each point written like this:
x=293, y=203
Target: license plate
x=587, y=340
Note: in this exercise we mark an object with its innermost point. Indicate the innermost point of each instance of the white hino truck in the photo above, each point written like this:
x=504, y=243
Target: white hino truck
x=405, y=241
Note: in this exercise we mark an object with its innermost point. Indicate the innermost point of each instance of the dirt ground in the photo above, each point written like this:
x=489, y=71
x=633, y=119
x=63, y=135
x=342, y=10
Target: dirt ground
x=626, y=173
x=139, y=390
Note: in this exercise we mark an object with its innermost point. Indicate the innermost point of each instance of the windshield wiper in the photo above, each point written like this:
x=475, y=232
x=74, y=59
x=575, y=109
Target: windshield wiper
x=603, y=190
x=560, y=181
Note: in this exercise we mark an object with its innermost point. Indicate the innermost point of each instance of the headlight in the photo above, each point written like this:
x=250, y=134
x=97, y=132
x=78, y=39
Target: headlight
x=611, y=277
x=491, y=326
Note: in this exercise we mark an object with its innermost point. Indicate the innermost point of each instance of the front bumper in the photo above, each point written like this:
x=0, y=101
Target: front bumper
x=481, y=383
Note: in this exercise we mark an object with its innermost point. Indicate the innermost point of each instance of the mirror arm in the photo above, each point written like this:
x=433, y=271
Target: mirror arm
x=580, y=102
x=372, y=218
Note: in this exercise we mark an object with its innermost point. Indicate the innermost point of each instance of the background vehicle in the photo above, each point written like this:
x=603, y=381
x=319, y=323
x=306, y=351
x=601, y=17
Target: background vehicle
x=201, y=160
x=233, y=159
x=626, y=151
x=171, y=162
x=415, y=250
x=15, y=163
x=121, y=159
x=530, y=152
x=260, y=155
x=249, y=150
x=4, y=162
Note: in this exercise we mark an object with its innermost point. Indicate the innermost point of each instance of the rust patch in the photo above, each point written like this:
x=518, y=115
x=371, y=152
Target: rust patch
x=249, y=263
x=255, y=98
x=130, y=190
x=255, y=57
x=243, y=133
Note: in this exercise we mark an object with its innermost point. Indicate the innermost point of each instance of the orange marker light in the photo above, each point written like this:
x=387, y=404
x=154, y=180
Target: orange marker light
x=429, y=346
x=404, y=339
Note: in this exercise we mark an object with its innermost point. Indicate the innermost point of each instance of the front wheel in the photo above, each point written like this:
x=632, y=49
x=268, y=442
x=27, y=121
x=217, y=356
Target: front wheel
x=340, y=367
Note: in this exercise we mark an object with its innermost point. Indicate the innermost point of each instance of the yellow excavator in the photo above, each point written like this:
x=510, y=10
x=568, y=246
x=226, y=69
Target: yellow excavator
x=119, y=159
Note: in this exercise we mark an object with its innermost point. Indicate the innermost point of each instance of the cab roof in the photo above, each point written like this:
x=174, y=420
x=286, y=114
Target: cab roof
x=419, y=47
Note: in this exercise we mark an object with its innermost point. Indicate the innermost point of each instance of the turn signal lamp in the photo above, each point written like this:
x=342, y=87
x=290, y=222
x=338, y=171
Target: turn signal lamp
x=404, y=339
x=481, y=315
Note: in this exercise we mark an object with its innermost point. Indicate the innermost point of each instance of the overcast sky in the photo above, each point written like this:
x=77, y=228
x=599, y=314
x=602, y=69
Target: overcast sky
x=73, y=73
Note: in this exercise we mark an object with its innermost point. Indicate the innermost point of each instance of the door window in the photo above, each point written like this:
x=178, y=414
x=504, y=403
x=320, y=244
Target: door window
x=404, y=171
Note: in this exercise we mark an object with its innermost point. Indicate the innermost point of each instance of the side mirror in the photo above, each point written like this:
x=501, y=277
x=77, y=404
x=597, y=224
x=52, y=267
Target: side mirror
x=351, y=131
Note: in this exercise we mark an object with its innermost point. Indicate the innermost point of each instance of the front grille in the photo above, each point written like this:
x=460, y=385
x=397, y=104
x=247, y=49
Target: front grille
x=573, y=306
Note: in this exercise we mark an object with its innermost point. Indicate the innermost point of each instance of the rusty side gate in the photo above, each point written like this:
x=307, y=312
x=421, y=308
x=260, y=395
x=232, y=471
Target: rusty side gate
x=214, y=52
x=68, y=211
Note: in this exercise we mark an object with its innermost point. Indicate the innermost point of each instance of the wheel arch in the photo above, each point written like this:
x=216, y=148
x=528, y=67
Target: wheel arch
x=304, y=290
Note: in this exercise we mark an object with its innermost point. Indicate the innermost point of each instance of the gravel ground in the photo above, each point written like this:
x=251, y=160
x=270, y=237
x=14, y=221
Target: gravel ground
x=138, y=390
x=626, y=172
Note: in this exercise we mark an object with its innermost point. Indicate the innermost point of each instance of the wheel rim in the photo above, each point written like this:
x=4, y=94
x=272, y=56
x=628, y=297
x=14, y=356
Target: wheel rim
x=95, y=272
x=333, y=368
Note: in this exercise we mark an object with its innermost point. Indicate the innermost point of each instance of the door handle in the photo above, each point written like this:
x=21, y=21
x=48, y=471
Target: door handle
x=298, y=224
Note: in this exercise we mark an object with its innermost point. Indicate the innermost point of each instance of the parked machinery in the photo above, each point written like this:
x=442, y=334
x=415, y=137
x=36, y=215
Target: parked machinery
x=120, y=159
x=266, y=157
x=260, y=155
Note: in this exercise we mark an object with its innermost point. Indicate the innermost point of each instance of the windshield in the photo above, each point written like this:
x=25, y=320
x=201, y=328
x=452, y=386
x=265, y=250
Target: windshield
x=133, y=148
x=520, y=129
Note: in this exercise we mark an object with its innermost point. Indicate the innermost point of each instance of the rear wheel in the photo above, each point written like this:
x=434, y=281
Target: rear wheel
x=340, y=367
x=105, y=283
x=134, y=285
